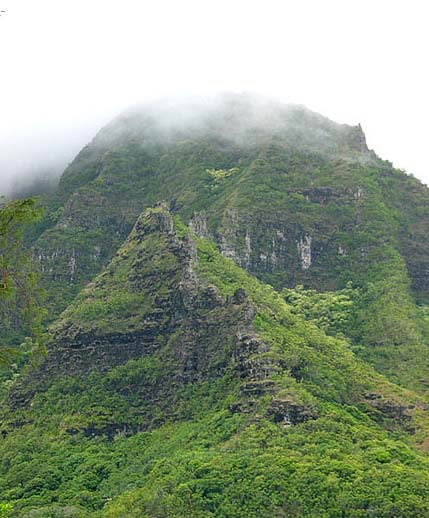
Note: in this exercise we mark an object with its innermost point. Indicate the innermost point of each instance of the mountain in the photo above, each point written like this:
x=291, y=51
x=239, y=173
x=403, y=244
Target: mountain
x=179, y=385
x=291, y=196
x=236, y=291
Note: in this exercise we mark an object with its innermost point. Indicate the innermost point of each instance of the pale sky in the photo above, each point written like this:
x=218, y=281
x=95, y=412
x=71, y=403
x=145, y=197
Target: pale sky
x=68, y=67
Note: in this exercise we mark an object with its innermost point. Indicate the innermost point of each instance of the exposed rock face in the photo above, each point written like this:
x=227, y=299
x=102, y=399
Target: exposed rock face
x=357, y=139
x=394, y=411
x=198, y=332
x=287, y=412
x=198, y=224
x=296, y=174
x=304, y=249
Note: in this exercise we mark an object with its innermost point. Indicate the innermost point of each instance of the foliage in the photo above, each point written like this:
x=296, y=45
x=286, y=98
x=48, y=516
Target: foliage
x=330, y=311
x=257, y=390
x=134, y=441
x=220, y=175
x=20, y=313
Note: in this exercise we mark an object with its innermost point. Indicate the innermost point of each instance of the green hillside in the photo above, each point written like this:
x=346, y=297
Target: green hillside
x=237, y=298
x=291, y=196
x=179, y=385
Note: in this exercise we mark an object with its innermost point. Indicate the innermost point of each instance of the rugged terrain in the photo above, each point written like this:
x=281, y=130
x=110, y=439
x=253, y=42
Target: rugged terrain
x=237, y=299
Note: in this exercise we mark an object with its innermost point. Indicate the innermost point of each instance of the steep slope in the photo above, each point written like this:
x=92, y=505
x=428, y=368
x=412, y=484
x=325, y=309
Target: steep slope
x=176, y=384
x=291, y=196
x=232, y=161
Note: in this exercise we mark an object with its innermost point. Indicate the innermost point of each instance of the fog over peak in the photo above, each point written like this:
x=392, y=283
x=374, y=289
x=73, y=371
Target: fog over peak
x=34, y=159
x=67, y=70
x=243, y=119
x=40, y=154
x=35, y=164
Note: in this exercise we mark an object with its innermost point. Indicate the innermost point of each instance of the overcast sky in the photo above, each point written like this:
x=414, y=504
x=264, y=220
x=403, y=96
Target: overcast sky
x=67, y=67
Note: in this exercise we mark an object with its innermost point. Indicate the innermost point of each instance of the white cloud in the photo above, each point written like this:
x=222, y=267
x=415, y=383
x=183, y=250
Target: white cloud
x=68, y=67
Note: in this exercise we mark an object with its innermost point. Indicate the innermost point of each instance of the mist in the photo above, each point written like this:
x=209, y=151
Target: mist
x=33, y=159
x=67, y=69
x=242, y=119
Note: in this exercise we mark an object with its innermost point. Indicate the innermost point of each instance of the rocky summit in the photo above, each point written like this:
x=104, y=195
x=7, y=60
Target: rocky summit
x=236, y=294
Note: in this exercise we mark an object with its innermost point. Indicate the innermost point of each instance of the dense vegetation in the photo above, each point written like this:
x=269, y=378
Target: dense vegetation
x=255, y=346
x=20, y=313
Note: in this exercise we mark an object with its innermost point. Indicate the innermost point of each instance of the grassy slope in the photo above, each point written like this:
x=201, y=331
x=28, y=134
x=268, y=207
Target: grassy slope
x=218, y=451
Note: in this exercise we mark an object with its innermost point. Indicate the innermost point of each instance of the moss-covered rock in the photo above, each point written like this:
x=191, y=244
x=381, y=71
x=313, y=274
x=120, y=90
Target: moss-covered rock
x=177, y=384
x=290, y=196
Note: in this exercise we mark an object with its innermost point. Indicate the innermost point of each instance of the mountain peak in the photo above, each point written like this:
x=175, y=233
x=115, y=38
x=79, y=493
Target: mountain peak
x=175, y=365
x=238, y=119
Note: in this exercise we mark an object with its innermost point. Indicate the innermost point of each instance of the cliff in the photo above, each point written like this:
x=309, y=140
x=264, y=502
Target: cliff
x=174, y=370
x=236, y=294
x=289, y=195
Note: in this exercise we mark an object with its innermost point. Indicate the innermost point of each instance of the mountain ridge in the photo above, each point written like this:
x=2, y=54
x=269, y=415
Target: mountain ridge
x=288, y=213
x=224, y=347
x=237, y=301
